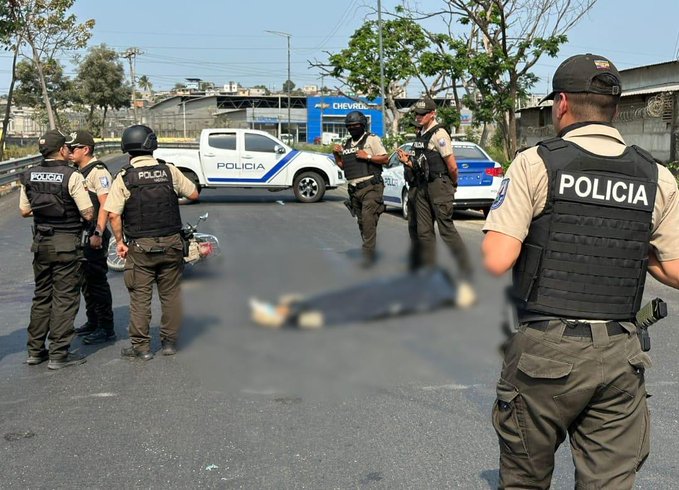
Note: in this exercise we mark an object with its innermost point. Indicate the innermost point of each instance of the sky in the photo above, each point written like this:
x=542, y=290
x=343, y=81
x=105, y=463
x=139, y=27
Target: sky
x=222, y=41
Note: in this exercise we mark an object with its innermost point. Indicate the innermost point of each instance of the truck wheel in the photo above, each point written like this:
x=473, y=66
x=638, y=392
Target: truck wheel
x=193, y=178
x=309, y=187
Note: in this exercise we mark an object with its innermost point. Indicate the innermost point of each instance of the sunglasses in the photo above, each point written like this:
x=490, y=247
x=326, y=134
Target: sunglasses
x=72, y=148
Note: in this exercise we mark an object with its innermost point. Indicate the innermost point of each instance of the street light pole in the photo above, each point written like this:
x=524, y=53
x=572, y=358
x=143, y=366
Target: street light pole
x=288, y=36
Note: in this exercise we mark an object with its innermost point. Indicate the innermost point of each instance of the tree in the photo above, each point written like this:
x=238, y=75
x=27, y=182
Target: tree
x=357, y=66
x=47, y=30
x=145, y=84
x=505, y=39
x=288, y=86
x=29, y=90
x=8, y=39
x=101, y=84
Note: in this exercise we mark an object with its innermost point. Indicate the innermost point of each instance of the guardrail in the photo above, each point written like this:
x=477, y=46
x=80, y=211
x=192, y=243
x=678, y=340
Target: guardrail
x=10, y=170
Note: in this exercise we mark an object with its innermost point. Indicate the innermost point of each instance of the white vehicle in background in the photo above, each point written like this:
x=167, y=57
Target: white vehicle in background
x=479, y=179
x=247, y=158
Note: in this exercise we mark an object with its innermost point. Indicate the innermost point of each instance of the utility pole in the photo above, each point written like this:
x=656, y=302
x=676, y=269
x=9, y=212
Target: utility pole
x=288, y=36
x=131, y=55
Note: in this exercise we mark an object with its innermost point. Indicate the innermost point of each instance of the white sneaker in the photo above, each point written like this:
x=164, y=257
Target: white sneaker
x=466, y=296
x=265, y=314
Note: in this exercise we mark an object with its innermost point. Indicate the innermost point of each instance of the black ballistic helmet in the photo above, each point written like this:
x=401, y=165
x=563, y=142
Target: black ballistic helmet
x=139, y=138
x=356, y=117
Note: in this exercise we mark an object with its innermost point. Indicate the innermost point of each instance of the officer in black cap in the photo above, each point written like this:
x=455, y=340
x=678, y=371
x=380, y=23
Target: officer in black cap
x=579, y=219
x=143, y=204
x=54, y=194
x=96, y=290
x=362, y=158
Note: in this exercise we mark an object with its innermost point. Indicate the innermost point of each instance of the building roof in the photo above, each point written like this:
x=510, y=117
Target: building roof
x=670, y=87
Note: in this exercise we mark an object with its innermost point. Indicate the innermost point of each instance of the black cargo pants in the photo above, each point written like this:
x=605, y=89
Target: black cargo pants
x=58, y=267
x=96, y=290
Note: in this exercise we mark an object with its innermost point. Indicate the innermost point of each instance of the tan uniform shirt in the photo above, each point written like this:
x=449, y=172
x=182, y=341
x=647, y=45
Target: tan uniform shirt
x=373, y=146
x=440, y=141
x=525, y=194
x=119, y=194
x=76, y=188
x=98, y=180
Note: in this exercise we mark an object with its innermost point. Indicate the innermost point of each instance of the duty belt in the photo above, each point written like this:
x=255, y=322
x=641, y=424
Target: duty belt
x=578, y=328
x=374, y=181
x=437, y=175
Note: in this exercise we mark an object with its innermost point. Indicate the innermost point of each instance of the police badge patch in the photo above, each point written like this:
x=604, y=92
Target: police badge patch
x=442, y=142
x=104, y=182
x=501, y=193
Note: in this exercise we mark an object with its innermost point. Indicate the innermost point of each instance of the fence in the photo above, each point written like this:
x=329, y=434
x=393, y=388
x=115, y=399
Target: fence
x=10, y=170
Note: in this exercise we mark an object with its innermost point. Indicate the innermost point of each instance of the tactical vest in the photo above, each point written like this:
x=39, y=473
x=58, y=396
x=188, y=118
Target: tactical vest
x=585, y=255
x=355, y=168
x=152, y=209
x=433, y=157
x=47, y=190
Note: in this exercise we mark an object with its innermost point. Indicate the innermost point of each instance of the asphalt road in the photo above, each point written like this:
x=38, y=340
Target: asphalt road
x=403, y=403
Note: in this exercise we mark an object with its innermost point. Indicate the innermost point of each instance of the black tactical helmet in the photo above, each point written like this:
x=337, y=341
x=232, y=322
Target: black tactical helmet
x=356, y=117
x=139, y=138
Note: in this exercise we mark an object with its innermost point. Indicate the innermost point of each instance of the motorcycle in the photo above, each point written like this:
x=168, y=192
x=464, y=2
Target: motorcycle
x=198, y=247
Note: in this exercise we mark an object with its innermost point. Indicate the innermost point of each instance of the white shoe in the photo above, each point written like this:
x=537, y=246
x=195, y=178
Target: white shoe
x=310, y=320
x=466, y=296
x=265, y=314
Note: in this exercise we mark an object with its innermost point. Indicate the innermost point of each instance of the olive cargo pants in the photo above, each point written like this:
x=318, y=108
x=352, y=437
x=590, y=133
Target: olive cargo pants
x=58, y=273
x=161, y=261
x=591, y=389
x=435, y=204
x=367, y=203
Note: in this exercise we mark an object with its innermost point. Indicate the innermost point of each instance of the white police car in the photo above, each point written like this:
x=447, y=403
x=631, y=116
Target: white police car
x=478, y=183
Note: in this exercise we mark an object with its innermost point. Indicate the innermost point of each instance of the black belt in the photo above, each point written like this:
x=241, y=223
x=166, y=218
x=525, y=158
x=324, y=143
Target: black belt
x=366, y=183
x=437, y=175
x=578, y=328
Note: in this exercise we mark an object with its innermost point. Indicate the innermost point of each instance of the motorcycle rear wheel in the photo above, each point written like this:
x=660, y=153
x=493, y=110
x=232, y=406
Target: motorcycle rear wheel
x=114, y=262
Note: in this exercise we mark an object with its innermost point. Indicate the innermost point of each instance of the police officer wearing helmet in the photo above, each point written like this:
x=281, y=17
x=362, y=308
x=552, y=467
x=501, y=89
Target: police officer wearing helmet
x=362, y=157
x=436, y=175
x=96, y=290
x=54, y=194
x=580, y=219
x=143, y=208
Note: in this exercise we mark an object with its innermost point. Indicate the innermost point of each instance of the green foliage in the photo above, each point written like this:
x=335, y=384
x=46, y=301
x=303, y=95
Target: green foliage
x=288, y=85
x=100, y=84
x=29, y=93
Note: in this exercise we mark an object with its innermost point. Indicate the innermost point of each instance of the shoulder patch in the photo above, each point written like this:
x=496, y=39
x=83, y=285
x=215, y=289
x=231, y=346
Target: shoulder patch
x=442, y=142
x=501, y=193
x=104, y=182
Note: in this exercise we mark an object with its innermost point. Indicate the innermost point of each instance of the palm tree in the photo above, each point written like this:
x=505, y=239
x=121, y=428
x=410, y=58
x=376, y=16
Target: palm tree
x=145, y=83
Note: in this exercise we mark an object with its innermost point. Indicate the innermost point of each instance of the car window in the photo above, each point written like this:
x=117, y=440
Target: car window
x=223, y=141
x=468, y=153
x=258, y=142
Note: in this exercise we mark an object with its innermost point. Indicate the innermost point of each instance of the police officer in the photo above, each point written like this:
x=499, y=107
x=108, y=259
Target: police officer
x=143, y=205
x=577, y=218
x=362, y=157
x=436, y=173
x=96, y=290
x=54, y=194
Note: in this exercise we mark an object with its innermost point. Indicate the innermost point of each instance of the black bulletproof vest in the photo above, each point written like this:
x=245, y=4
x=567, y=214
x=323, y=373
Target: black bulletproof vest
x=152, y=209
x=433, y=157
x=585, y=255
x=355, y=168
x=47, y=190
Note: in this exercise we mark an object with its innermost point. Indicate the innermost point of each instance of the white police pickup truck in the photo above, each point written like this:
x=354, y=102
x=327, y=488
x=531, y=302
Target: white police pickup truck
x=247, y=158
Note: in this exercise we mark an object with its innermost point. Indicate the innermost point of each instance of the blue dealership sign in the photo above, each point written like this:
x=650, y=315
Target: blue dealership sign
x=319, y=108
